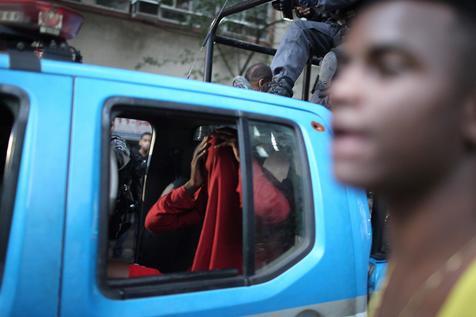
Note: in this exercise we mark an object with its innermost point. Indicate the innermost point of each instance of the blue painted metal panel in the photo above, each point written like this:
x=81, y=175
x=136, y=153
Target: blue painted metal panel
x=4, y=61
x=379, y=272
x=178, y=84
x=33, y=264
x=335, y=269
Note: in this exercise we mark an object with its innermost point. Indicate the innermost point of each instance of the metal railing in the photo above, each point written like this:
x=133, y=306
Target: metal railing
x=212, y=38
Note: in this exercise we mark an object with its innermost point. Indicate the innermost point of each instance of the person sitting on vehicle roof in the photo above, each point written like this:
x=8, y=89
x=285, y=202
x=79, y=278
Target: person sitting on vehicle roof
x=322, y=31
x=257, y=77
x=212, y=196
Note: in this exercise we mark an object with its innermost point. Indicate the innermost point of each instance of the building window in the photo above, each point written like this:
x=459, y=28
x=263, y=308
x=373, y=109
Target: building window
x=117, y=5
x=177, y=11
x=248, y=24
x=121, y=5
x=223, y=199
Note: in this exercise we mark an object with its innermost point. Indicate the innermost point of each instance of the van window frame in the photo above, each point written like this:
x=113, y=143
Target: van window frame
x=12, y=165
x=200, y=281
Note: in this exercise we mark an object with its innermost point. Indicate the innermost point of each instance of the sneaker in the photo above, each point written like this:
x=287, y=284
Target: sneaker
x=327, y=71
x=282, y=86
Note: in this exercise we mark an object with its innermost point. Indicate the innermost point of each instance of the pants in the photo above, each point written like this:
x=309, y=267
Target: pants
x=302, y=39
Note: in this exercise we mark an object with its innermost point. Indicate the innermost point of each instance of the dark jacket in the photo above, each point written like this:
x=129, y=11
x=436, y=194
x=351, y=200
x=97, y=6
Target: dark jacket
x=329, y=5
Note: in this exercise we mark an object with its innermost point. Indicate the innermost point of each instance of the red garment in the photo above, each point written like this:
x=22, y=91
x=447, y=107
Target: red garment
x=218, y=205
x=136, y=270
x=176, y=210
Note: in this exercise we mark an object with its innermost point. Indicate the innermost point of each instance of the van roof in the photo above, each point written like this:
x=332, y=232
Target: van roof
x=138, y=77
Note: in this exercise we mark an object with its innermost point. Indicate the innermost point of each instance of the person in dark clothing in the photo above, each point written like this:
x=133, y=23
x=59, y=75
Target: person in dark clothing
x=120, y=219
x=322, y=31
x=132, y=166
x=144, y=144
x=139, y=158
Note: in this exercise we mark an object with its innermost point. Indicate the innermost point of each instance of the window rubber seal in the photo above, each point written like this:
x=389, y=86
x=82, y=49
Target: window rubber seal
x=12, y=166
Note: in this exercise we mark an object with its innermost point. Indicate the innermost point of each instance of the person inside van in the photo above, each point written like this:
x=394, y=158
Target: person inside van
x=212, y=197
x=405, y=127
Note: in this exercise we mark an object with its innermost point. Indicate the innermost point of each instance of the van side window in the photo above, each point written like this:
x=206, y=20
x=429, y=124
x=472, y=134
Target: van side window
x=279, y=222
x=13, y=117
x=194, y=226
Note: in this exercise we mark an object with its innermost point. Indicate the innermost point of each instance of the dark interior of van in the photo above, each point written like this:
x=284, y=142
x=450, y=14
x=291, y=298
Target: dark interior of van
x=6, y=125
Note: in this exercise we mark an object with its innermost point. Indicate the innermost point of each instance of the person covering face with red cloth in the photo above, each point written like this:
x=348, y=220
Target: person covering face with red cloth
x=212, y=197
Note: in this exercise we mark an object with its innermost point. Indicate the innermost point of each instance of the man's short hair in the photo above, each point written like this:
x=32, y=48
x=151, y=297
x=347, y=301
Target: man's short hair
x=259, y=71
x=145, y=133
x=462, y=42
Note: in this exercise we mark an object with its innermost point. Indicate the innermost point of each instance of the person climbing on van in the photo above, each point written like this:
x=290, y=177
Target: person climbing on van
x=212, y=197
x=323, y=30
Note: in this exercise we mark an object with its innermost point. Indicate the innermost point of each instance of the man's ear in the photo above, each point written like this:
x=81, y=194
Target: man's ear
x=261, y=83
x=469, y=121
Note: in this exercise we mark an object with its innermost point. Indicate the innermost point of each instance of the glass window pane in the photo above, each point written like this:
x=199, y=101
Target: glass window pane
x=168, y=3
x=173, y=15
x=184, y=4
x=122, y=5
x=257, y=16
x=277, y=190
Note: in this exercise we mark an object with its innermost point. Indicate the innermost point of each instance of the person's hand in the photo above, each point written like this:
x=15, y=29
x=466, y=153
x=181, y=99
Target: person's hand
x=198, y=173
x=304, y=12
x=228, y=137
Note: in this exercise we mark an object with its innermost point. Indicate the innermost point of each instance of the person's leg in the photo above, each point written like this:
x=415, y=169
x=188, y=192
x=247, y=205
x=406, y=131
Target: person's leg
x=302, y=39
x=327, y=71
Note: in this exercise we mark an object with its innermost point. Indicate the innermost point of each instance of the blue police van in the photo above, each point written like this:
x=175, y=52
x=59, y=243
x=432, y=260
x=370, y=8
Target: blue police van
x=60, y=185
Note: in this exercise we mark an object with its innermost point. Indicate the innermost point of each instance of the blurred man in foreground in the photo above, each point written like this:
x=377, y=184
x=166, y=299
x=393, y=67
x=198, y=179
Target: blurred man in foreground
x=405, y=127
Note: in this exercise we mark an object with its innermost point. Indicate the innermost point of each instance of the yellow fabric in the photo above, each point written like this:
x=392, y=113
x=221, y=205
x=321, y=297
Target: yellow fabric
x=462, y=300
x=374, y=303
x=376, y=298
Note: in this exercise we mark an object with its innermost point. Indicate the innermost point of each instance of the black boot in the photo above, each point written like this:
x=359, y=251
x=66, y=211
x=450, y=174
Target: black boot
x=282, y=86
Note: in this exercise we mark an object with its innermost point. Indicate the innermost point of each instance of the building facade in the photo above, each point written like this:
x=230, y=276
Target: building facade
x=165, y=36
